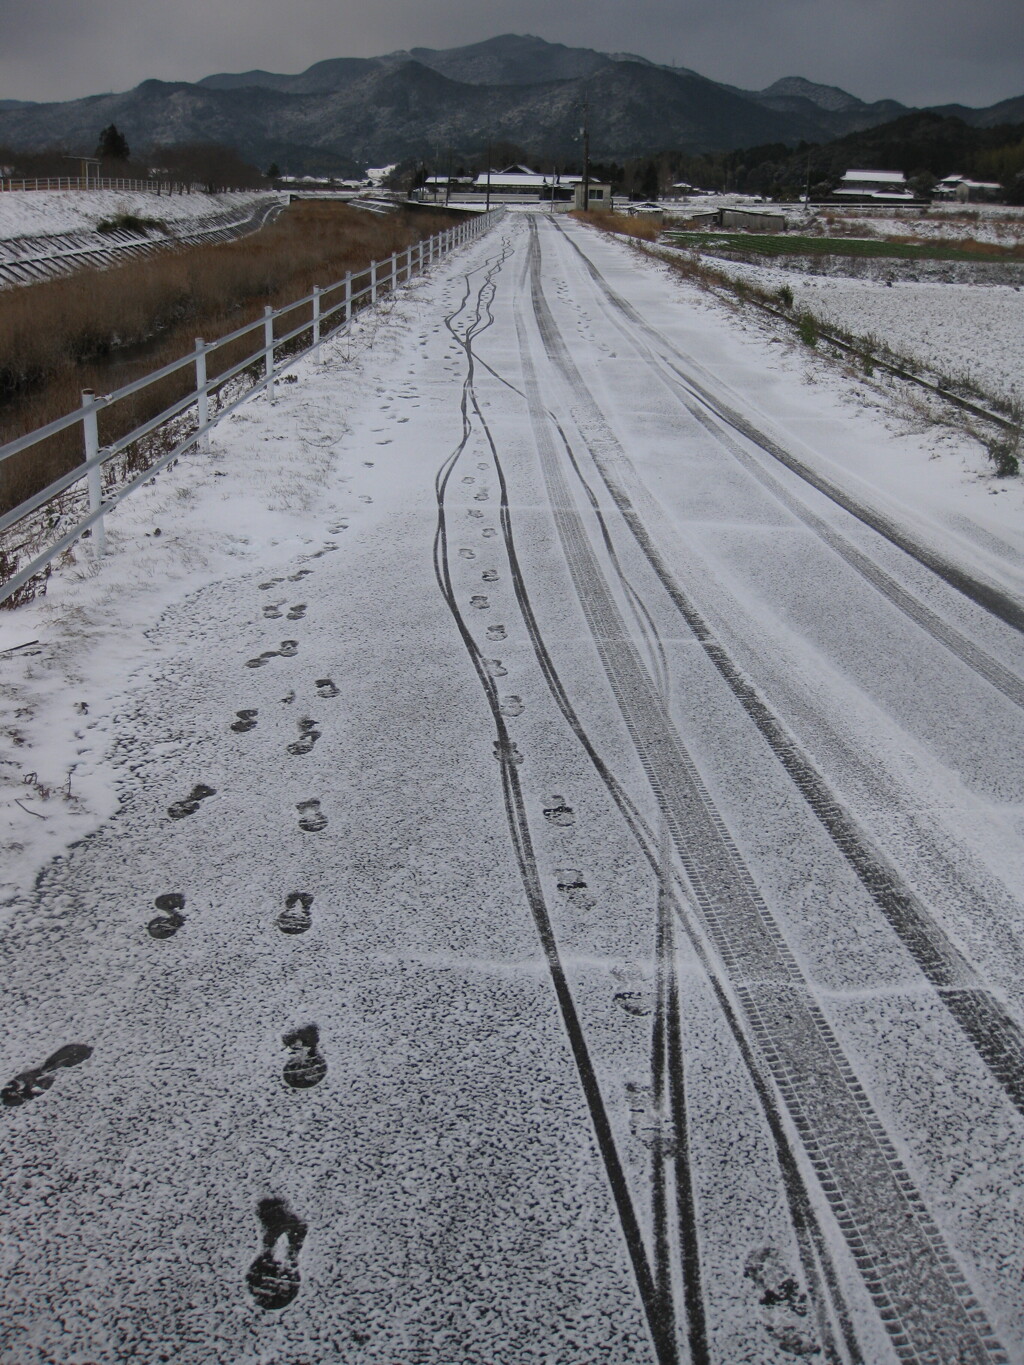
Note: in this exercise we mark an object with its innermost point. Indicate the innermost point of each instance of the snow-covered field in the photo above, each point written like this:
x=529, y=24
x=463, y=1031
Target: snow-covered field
x=1000, y=224
x=541, y=874
x=47, y=213
x=953, y=330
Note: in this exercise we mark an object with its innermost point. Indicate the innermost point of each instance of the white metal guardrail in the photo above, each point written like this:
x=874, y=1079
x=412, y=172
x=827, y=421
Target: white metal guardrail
x=360, y=288
x=77, y=182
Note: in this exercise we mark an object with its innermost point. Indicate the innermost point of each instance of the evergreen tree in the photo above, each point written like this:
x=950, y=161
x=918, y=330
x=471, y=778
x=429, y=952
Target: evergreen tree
x=112, y=146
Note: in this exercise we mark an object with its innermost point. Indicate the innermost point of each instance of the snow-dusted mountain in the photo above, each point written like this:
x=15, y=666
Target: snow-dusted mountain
x=345, y=113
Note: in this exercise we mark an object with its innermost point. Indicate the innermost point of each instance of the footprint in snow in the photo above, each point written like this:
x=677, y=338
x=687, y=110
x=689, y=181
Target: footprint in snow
x=273, y=1278
x=299, y=574
x=489, y=531
x=273, y=610
x=507, y=752
x=558, y=813
x=490, y=575
x=635, y=1003
x=480, y=602
x=569, y=881
x=466, y=553
x=261, y=659
x=311, y=817
x=272, y=583
x=469, y=479
x=482, y=496
x=474, y=512
x=289, y=648
x=496, y=669
x=246, y=721
x=495, y=633
x=308, y=736
x=297, y=612
x=325, y=688
x=28, y=1084
x=191, y=803
x=306, y=1067
x=297, y=915
x=512, y=705
x=170, y=920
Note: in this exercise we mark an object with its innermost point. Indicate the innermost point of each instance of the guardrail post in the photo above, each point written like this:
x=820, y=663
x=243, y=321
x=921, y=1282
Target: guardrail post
x=373, y=281
x=202, y=396
x=94, y=478
x=268, y=349
x=316, y=320
x=348, y=299
x=394, y=271
x=408, y=264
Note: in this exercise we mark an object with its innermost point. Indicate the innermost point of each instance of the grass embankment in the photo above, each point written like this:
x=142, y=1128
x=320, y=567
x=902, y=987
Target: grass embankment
x=621, y=223
x=100, y=330
x=757, y=244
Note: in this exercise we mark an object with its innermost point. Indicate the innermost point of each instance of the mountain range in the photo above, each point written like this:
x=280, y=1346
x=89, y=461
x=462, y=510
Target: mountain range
x=347, y=113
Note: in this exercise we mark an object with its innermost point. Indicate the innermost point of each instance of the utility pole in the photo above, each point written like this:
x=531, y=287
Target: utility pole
x=487, y=208
x=586, y=153
x=448, y=180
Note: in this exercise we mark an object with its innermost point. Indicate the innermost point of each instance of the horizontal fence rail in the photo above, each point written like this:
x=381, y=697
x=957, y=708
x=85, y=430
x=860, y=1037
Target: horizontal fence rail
x=329, y=314
x=77, y=182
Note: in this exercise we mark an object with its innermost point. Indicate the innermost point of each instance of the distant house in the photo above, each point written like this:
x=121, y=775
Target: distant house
x=523, y=184
x=960, y=188
x=599, y=196
x=865, y=187
x=512, y=185
x=647, y=208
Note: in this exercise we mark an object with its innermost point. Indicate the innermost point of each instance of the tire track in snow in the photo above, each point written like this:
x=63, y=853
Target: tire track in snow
x=921, y=1295
x=518, y=824
x=992, y=1031
x=995, y=600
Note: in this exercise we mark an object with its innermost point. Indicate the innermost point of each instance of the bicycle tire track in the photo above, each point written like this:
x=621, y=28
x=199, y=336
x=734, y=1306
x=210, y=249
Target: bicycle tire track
x=651, y=1302
x=920, y=1293
x=819, y=1271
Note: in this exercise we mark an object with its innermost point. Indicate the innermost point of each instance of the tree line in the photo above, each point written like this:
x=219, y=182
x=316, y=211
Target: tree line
x=210, y=164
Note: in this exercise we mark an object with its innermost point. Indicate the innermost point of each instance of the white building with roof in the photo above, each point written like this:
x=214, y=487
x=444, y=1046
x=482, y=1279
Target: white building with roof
x=878, y=186
x=522, y=183
x=965, y=190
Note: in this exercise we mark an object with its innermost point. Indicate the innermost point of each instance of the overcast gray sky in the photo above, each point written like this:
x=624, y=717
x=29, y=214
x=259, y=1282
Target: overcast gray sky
x=917, y=51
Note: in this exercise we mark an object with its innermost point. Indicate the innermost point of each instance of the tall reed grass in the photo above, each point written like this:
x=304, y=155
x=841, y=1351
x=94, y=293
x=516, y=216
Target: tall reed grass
x=101, y=329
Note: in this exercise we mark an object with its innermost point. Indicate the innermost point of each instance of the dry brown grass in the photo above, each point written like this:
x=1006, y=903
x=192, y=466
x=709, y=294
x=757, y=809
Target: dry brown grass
x=641, y=228
x=100, y=330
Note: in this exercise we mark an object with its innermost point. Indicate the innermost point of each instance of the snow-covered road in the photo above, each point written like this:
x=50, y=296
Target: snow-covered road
x=563, y=898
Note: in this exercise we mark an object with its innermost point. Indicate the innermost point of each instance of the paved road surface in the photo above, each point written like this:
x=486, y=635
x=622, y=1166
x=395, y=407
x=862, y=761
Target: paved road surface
x=570, y=914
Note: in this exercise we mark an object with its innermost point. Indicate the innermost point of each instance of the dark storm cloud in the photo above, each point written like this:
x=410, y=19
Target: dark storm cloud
x=917, y=51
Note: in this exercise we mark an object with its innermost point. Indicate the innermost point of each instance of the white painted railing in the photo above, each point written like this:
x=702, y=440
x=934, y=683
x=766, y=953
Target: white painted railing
x=332, y=311
x=77, y=182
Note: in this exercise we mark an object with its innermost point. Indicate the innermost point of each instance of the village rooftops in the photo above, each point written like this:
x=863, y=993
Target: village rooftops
x=890, y=186
x=522, y=179
x=895, y=178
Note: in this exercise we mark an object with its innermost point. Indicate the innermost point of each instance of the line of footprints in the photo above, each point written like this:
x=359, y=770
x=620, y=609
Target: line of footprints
x=273, y=1278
